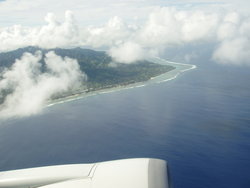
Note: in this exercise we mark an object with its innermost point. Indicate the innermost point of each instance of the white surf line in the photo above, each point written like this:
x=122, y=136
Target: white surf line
x=104, y=92
x=169, y=79
x=193, y=66
x=141, y=85
x=131, y=86
x=175, y=63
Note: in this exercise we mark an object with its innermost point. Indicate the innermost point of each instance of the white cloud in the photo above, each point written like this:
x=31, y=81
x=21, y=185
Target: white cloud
x=54, y=34
x=235, y=51
x=165, y=28
x=234, y=39
x=168, y=26
x=161, y=28
x=27, y=88
x=127, y=52
x=97, y=11
x=172, y=28
x=114, y=32
x=190, y=56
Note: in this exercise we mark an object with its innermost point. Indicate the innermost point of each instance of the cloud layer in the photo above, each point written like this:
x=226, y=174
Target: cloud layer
x=165, y=28
x=25, y=88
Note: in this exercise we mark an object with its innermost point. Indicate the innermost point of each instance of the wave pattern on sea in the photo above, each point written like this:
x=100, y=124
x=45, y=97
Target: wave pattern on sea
x=179, y=68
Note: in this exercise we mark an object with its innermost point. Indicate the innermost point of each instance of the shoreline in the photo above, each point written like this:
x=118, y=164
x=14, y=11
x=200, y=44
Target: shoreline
x=173, y=74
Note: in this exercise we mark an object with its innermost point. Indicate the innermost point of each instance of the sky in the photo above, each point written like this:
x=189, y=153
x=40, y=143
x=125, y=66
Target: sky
x=98, y=11
x=139, y=27
x=128, y=30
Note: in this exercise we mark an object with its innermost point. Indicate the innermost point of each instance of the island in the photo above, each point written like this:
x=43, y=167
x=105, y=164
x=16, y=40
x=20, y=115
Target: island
x=99, y=67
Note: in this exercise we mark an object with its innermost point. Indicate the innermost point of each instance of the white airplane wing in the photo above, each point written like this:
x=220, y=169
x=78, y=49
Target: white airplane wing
x=126, y=173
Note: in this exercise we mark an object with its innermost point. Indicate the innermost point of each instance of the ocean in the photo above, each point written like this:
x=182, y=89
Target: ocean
x=198, y=122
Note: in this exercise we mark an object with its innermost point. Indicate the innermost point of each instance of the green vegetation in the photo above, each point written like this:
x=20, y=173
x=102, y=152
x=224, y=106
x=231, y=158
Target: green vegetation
x=101, y=71
x=124, y=74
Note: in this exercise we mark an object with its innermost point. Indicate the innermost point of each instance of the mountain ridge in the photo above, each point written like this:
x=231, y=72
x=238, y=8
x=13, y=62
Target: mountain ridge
x=96, y=65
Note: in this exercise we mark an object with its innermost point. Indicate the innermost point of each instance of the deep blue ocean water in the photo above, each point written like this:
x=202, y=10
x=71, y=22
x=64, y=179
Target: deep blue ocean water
x=199, y=123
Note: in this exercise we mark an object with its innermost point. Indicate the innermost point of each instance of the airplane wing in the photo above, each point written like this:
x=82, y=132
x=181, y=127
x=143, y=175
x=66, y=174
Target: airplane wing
x=126, y=173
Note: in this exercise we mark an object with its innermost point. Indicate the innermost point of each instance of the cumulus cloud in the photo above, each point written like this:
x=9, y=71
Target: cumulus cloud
x=233, y=40
x=25, y=88
x=233, y=51
x=127, y=52
x=54, y=34
x=165, y=28
x=168, y=28
x=114, y=32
